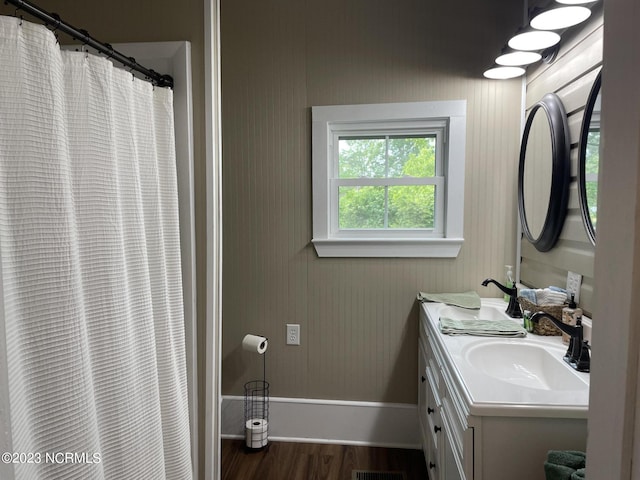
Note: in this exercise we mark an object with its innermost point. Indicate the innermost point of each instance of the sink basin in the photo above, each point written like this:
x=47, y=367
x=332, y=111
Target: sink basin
x=523, y=364
x=486, y=312
x=507, y=376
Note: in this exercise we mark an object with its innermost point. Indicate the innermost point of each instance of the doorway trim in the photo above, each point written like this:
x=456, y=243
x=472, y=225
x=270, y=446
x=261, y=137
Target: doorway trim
x=213, y=318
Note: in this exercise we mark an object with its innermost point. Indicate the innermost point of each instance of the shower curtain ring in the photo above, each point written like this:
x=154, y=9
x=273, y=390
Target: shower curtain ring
x=132, y=65
x=56, y=17
x=110, y=48
x=58, y=20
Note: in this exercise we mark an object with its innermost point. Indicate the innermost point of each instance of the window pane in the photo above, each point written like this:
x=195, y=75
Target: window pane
x=361, y=157
x=412, y=206
x=361, y=207
x=412, y=156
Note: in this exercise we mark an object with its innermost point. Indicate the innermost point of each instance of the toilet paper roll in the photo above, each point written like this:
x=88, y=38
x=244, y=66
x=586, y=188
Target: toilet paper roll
x=255, y=343
x=256, y=432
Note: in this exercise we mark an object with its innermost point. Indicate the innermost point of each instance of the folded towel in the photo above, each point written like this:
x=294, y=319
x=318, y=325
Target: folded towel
x=529, y=294
x=557, y=289
x=558, y=472
x=579, y=474
x=481, y=328
x=465, y=300
x=564, y=465
x=569, y=458
x=546, y=296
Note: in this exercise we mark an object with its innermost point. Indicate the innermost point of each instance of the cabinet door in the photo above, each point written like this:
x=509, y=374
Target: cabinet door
x=433, y=464
x=429, y=415
x=451, y=468
x=434, y=425
x=423, y=385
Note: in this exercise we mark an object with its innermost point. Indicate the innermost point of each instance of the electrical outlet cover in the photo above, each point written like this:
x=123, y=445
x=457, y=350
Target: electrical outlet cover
x=293, y=334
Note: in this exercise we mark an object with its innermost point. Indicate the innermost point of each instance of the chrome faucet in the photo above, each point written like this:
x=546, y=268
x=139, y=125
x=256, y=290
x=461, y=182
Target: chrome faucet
x=513, y=309
x=578, y=352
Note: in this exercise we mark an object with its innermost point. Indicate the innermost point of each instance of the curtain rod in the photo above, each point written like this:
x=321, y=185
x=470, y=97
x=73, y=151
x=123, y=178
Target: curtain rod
x=54, y=20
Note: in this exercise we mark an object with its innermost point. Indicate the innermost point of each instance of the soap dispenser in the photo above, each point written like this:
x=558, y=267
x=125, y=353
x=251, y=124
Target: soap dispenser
x=508, y=280
x=571, y=315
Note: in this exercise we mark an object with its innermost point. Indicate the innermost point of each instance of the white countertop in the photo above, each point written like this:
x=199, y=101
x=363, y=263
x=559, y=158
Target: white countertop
x=476, y=365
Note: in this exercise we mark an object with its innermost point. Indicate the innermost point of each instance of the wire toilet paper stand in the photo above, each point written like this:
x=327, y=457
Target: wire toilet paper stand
x=256, y=413
x=256, y=409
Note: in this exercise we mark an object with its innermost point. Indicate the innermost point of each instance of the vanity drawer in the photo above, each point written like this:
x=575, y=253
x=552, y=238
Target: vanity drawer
x=434, y=426
x=454, y=414
x=433, y=394
x=454, y=424
x=433, y=463
x=434, y=363
x=423, y=384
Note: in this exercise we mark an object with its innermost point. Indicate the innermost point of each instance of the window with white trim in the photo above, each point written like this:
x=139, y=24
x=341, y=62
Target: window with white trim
x=388, y=179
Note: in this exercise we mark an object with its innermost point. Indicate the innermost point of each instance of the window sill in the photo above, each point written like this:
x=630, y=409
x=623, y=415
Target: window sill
x=374, y=247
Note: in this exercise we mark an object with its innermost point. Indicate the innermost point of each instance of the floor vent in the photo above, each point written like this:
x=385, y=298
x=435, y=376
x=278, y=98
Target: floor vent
x=371, y=475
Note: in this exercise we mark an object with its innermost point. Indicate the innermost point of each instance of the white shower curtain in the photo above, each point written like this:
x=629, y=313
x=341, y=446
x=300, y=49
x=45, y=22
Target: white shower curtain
x=91, y=293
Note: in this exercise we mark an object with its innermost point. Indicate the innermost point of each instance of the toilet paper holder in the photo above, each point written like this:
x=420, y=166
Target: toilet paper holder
x=256, y=414
x=256, y=399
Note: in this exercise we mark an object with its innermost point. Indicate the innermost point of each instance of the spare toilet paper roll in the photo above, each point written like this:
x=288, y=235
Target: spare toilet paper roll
x=256, y=432
x=255, y=343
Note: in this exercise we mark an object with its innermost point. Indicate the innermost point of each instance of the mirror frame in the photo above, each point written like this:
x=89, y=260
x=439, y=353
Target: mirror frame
x=582, y=158
x=553, y=108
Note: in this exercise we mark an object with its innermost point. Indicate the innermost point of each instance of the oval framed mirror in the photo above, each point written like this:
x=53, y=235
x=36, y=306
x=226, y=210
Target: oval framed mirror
x=544, y=173
x=589, y=160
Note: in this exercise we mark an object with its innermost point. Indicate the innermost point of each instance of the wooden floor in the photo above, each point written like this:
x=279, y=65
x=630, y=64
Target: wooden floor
x=306, y=461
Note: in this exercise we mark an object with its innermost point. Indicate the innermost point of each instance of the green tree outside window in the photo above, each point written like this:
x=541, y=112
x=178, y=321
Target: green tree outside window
x=392, y=206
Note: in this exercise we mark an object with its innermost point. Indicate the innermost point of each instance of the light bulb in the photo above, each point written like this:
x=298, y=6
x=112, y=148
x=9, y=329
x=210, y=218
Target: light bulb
x=504, y=73
x=562, y=17
x=515, y=59
x=575, y=2
x=535, y=40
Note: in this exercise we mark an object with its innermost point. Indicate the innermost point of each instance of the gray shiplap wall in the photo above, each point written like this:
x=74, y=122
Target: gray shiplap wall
x=570, y=76
x=358, y=317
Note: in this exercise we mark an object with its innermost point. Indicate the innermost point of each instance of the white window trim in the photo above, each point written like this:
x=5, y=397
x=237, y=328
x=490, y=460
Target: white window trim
x=327, y=120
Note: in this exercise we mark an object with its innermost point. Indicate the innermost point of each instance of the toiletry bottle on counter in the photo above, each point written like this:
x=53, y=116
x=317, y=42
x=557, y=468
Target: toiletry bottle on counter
x=526, y=321
x=508, y=280
x=570, y=315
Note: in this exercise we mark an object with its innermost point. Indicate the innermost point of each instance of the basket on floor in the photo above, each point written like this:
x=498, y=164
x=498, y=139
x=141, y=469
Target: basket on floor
x=544, y=326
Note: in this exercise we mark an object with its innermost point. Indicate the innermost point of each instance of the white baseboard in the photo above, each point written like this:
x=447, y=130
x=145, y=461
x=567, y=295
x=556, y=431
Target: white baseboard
x=330, y=421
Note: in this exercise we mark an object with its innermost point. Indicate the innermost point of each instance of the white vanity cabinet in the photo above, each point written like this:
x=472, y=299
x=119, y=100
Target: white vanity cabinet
x=442, y=427
x=467, y=440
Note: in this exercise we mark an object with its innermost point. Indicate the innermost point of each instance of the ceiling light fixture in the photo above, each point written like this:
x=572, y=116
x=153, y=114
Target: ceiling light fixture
x=534, y=40
x=560, y=17
x=518, y=58
x=537, y=41
x=504, y=73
